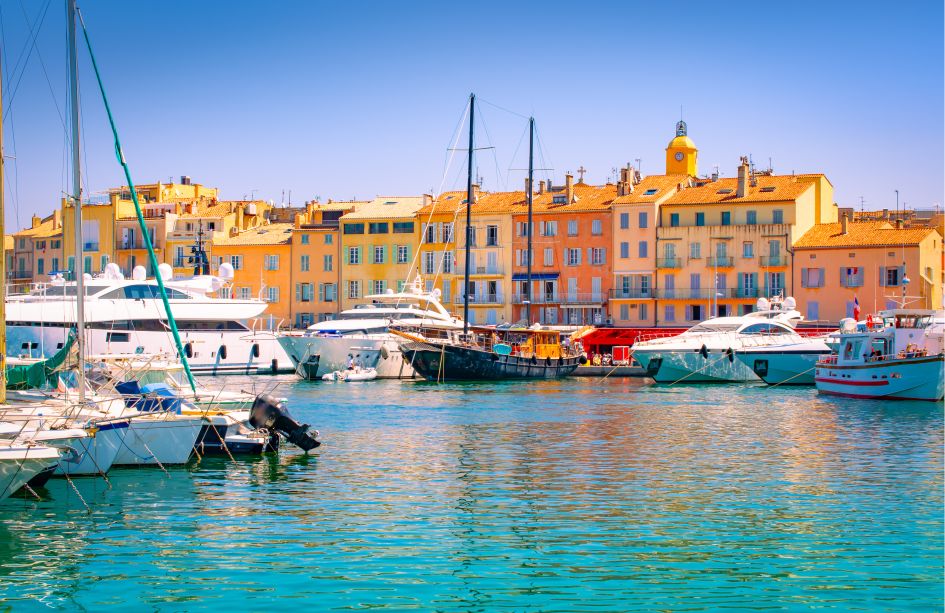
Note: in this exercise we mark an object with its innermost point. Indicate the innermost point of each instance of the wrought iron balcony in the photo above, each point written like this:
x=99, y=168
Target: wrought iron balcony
x=669, y=262
x=632, y=292
x=480, y=299
x=774, y=260
x=537, y=298
x=720, y=261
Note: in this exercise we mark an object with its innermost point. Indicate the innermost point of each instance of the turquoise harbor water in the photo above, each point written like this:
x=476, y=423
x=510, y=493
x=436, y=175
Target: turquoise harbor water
x=576, y=495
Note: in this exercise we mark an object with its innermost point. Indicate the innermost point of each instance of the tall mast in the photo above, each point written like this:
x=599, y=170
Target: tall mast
x=469, y=205
x=3, y=269
x=528, y=228
x=77, y=199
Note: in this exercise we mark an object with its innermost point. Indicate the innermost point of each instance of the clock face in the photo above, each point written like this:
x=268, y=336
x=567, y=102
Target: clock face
x=679, y=156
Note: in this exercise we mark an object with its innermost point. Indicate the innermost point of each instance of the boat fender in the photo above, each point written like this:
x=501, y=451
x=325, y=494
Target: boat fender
x=189, y=350
x=534, y=360
x=582, y=359
x=384, y=352
x=548, y=360
x=704, y=352
x=731, y=355
x=222, y=352
x=275, y=365
x=272, y=414
x=254, y=352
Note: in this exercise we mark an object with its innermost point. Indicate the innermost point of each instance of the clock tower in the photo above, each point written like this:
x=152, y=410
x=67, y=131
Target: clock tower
x=681, y=154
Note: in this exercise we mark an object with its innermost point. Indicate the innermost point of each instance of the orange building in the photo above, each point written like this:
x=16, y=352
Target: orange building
x=869, y=261
x=316, y=263
x=262, y=262
x=572, y=259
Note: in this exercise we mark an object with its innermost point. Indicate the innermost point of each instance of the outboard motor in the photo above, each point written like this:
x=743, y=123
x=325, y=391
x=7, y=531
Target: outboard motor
x=267, y=412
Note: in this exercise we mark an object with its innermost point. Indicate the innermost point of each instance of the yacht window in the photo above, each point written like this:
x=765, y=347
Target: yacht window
x=710, y=327
x=140, y=292
x=765, y=328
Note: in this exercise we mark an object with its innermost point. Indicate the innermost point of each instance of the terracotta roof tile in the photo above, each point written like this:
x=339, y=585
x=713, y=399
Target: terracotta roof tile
x=46, y=229
x=383, y=207
x=861, y=234
x=644, y=190
x=272, y=234
x=724, y=191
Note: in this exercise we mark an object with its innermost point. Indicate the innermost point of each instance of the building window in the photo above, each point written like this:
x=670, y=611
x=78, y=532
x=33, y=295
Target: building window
x=304, y=239
x=598, y=255
x=851, y=276
x=624, y=312
x=492, y=236
x=572, y=227
x=522, y=228
x=354, y=228
x=244, y=293
x=41, y=265
x=303, y=292
x=642, y=314
x=354, y=255
x=329, y=239
x=380, y=254
x=624, y=221
x=813, y=310
x=236, y=261
x=327, y=292
x=429, y=262
x=674, y=220
x=211, y=225
x=669, y=313
x=272, y=294
x=748, y=249
x=574, y=257
x=378, y=287
x=403, y=254
x=403, y=227
x=890, y=277
x=812, y=277
x=726, y=218
x=429, y=233
x=695, y=251
x=624, y=249
x=354, y=289
x=55, y=266
x=751, y=218
x=272, y=262
x=328, y=262
x=448, y=232
x=641, y=249
x=303, y=263
x=777, y=216
x=549, y=228
x=597, y=228
x=642, y=219
x=549, y=256
x=378, y=227
x=700, y=219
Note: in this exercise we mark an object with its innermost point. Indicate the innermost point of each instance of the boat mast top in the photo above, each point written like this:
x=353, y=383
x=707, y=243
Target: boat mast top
x=77, y=199
x=469, y=204
x=528, y=227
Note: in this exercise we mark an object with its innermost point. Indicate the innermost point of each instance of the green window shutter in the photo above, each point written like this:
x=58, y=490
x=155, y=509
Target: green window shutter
x=882, y=276
x=384, y=253
x=298, y=292
x=347, y=255
x=370, y=254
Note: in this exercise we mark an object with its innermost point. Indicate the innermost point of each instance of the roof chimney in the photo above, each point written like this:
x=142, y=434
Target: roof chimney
x=475, y=193
x=36, y=220
x=899, y=223
x=742, y=178
x=528, y=185
x=184, y=180
x=541, y=187
x=885, y=213
x=57, y=219
x=843, y=224
x=569, y=187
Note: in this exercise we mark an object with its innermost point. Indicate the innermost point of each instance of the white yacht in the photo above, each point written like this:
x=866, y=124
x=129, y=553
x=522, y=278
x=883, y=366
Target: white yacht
x=783, y=359
x=706, y=352
x=362, y=334
x=127, y=316
x=20, y=461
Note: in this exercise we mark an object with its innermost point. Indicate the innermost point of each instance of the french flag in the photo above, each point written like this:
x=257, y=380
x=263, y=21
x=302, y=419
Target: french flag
x=856, y=308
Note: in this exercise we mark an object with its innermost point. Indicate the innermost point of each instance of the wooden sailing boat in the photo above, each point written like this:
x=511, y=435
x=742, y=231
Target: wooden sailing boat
x=491, y=353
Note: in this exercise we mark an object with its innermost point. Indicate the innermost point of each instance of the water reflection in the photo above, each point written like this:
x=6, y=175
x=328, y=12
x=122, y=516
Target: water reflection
x=563, y=495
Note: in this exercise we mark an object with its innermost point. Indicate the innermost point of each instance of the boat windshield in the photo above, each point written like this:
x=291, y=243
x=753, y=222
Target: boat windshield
x=706, y=327
x=66, y=290
x=766, y=328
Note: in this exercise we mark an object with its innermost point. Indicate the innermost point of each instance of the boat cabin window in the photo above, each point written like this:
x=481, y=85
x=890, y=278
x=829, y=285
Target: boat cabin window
x=710, y=327
x=851, y=348
x=65, y=290
x=912, y=321
x=765, y=328
x=141, y=292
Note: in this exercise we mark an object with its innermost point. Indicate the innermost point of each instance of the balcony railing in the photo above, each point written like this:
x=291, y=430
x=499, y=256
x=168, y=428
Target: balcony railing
x=669, y=262
x=132, y=245
x=632, y=292
x=587, y=298
x=537, y=298
x=484, y=270
x=746, y=292
x=720, y=261
x=480, y=299
x=21, y=273
x=774, y=260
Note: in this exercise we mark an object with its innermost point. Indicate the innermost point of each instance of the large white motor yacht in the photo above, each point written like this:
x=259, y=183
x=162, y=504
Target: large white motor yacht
x=784, y=359
x=126, y=316
x=706, y=352
x=362, y=334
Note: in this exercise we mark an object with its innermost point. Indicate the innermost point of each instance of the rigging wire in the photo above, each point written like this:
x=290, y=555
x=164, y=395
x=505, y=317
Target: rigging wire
x=28, y=47
x=495, y=158
x=42, y=64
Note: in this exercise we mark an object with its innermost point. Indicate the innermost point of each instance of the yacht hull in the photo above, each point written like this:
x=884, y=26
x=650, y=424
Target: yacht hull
x=94, y=455
x=159, y=440
x=19, y=464
x=906, y=379
x=213, y=352
x=782, y=367
x=444, y=362
x=691, y=367
x=381, y=353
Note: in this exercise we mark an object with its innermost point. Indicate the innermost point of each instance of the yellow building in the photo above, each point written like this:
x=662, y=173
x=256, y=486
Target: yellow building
x=37, y=251
x=316, y=262
x=377, y=246
x=869, y=261
x=99, y=223
x=682, y=157
x=262, y=268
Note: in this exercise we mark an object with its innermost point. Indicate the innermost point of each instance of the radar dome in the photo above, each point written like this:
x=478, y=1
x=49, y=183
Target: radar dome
x=167, y=273
x=87, y=276
x=790, y=303
x=139, y=273
x=113, y=272
x=225, y=271
x=763, y=304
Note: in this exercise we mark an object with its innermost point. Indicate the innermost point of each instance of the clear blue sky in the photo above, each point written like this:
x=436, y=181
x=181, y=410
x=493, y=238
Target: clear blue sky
x=348, y=99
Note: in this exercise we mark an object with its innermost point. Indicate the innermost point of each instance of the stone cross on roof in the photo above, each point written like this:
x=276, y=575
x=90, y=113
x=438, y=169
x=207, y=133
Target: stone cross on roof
x=581, y=170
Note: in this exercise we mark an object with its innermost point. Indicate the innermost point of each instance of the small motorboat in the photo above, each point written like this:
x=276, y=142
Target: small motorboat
x=351, y=375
